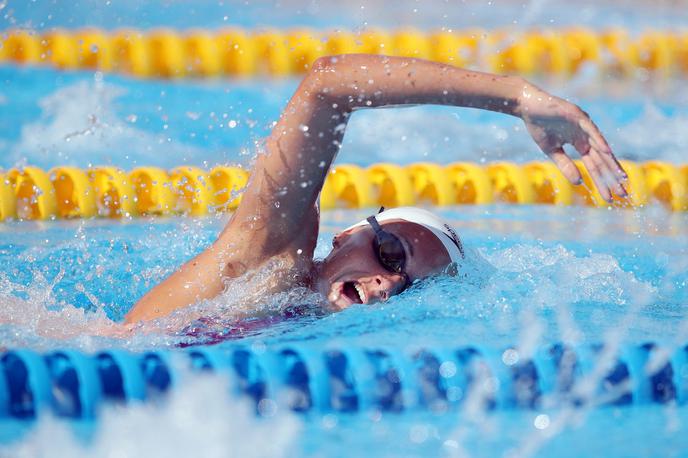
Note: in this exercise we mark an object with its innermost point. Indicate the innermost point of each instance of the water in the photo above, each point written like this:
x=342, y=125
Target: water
x=575, y=275
x=633, y=14
x=51, y=118
x=545, y=258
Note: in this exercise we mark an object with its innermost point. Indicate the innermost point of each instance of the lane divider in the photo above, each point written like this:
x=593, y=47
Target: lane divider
x=165, y=53
x=31, y=193
x=76, y=385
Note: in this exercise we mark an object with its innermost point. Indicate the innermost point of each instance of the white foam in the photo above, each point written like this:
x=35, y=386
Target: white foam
x=31, y=316
x=199, y=418
x=40, y=315
x=548, y=277
x=79, y=125
x=654, y=136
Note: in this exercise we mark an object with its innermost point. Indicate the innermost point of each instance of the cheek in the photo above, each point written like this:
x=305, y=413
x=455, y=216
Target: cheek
x=355, y=257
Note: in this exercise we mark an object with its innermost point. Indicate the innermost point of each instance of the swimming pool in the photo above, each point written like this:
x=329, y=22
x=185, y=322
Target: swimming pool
x=575, y=276
x=552, y=283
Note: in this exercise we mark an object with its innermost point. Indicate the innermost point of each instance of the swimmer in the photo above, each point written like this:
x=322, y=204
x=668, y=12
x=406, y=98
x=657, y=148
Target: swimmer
x=371, y=261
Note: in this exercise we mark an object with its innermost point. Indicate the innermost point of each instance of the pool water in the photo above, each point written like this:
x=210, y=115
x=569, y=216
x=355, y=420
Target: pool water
x=586, y=261
x=575, y=275
x=572, y=275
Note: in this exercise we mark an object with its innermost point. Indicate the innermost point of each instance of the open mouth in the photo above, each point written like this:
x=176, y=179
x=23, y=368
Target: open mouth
x=354, y=292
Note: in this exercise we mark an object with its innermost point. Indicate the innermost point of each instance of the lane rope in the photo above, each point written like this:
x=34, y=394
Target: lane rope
x=72, y=384
x=64, y=192
x=236, y=52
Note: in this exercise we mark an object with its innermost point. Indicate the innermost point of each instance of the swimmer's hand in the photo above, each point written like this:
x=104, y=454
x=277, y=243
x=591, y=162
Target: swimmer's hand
x=554, y=122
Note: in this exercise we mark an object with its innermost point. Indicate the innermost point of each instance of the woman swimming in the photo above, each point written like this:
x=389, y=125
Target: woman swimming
x=278, y=218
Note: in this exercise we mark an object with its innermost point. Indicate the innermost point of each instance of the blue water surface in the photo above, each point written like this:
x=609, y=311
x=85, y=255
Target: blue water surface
x=574, y=275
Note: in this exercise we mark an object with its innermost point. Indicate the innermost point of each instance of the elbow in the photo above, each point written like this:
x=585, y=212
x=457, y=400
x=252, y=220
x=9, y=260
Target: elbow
x=329, y=78
x=330, y=63
x=321, y=78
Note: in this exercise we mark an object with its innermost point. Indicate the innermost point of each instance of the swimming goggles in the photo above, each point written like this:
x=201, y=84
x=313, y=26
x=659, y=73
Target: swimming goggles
x=389, y=250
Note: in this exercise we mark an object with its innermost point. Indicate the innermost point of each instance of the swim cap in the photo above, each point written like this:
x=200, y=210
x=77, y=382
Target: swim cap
x=440, y=228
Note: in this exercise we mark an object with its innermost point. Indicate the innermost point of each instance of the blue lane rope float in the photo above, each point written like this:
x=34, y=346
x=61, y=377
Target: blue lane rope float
x=72, y=384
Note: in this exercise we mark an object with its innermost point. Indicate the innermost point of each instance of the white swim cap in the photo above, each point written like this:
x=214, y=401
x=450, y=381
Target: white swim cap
x=440, y=228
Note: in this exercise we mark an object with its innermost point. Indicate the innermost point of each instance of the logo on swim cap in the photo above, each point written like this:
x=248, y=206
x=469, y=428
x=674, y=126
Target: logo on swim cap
x=455, y=238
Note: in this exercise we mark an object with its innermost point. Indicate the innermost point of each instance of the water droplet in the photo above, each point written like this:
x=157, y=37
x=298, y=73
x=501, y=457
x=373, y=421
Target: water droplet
x=541, y=421
x=447, y=369
x=510, y=357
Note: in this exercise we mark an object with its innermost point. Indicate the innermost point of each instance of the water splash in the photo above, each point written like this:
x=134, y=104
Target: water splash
x=550, y=276
x=655, y=135
x=79, y=125
x=194, y=417
x=576, y=298
x=32, y=316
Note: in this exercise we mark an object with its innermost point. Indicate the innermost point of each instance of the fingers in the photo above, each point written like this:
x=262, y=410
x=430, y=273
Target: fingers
x=566, y=165
x=596, y=173
x=604, y=168
x=602, y=174
x=597, y=141
x=613, y=172
x=613, y=165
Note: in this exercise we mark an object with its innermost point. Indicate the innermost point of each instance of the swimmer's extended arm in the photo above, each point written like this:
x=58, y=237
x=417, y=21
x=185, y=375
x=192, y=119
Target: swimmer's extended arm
x=303, y=144
x=278, y=203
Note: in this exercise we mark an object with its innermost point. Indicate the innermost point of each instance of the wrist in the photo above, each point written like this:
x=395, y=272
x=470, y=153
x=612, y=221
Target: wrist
x=523, y=93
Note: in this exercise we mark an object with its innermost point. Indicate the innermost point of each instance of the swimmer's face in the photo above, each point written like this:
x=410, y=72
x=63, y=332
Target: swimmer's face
x=353, y=274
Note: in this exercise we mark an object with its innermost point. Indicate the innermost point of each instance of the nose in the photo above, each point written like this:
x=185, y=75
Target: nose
x=381, y=287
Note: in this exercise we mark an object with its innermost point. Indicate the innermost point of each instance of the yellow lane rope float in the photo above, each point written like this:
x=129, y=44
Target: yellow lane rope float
x=69, y=192
x=165, y=53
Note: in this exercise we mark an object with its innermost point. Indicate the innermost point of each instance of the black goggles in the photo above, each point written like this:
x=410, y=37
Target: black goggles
x=389, y=249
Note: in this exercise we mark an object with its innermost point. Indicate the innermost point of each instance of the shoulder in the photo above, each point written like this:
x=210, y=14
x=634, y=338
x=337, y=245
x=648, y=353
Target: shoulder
x=253, y=240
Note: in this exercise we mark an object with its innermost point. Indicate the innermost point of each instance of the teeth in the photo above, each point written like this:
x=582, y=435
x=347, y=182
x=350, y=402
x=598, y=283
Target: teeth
x=360, y=292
